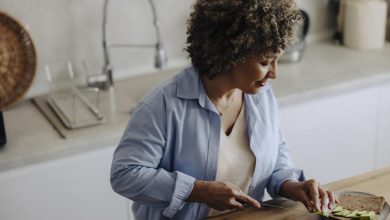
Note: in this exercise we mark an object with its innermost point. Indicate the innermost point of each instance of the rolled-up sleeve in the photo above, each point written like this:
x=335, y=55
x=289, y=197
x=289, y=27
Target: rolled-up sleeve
x=284, y=169
x=135, y=171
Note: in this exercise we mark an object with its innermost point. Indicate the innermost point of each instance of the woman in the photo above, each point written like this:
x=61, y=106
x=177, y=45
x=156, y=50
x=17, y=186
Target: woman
x=208, y=140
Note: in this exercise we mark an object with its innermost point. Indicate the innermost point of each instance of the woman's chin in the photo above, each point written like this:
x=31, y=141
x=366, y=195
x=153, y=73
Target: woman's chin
x=253, y=90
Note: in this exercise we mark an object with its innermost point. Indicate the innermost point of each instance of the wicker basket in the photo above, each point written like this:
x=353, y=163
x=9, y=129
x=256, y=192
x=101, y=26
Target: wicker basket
x=17, y=61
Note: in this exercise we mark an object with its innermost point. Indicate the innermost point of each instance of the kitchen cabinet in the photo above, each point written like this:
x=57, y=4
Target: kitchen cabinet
x=75, y=187
x=383, y=152
x=334, y=137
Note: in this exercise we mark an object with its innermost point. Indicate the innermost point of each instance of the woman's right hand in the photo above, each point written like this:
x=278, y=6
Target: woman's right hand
x=220, y=195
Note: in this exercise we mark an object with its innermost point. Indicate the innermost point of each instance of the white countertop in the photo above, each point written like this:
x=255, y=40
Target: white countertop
x=327, y=69
x=324, y=70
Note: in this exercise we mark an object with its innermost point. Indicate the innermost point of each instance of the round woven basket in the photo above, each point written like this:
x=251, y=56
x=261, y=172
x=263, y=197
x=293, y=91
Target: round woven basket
x=17, y=61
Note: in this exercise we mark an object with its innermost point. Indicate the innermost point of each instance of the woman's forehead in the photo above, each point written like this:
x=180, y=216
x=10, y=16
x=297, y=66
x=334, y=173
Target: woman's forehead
x=271, y=54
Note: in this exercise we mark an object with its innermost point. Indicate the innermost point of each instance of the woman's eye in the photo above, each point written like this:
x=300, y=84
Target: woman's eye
x=264, y=61
x=264, y=68
x=264, y=64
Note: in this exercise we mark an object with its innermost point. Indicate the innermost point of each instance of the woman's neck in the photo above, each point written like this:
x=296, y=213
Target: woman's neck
x=221, y=91
x=218, y=88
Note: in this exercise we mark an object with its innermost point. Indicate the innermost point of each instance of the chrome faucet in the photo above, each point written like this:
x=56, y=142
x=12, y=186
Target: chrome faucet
x=106, y=79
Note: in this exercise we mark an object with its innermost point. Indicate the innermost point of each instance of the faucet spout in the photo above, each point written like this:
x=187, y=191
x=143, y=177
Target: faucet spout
x=160, y=58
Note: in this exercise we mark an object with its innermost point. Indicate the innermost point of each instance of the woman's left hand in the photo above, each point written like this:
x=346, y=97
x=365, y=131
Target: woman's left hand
x=310, y=193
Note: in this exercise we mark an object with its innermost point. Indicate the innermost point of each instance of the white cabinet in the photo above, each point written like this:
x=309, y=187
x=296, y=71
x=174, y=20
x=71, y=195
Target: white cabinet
x=334, y=137
x=75, y=187
x=383, y=153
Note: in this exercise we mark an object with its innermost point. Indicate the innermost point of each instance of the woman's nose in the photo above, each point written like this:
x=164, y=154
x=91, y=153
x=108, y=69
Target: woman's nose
x=272, y=70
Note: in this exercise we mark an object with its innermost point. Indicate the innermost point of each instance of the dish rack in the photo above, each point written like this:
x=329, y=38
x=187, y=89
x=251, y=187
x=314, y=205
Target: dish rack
x=72, y=104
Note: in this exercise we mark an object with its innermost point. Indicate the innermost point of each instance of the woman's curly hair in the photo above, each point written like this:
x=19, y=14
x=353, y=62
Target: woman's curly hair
x=222, y=33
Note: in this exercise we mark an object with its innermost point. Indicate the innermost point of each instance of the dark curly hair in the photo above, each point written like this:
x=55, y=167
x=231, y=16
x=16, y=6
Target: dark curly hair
x=222, y=33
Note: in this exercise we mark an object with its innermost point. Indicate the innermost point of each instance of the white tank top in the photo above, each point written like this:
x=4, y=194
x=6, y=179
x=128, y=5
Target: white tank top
x=236, y=161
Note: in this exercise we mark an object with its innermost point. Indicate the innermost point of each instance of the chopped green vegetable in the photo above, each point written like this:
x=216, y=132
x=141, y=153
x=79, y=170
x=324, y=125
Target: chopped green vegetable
x=359, y=213
x=355, y=215
x=337, y=209
x=341, y=213
x=369, y=216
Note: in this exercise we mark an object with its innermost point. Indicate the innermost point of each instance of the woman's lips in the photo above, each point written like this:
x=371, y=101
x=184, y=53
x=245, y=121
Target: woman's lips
x=260, y=83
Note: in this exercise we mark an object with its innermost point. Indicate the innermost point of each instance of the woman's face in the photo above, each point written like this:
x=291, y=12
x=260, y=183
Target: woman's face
x=253, y=74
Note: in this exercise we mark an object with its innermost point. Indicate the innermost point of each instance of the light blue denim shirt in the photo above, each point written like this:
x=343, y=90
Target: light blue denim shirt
x=172, y=139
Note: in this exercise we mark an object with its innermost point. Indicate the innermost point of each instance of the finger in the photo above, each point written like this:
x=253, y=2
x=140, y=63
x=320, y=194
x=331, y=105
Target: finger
x=324, y=199
x=234, y=204
x=306, y=202
x=332, y=199
x=312, y=187
x=248, y=200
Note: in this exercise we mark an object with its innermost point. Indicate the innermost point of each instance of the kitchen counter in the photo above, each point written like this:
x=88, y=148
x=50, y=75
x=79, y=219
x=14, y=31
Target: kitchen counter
x=324, y=71
x=375, y=182
x=328, y=70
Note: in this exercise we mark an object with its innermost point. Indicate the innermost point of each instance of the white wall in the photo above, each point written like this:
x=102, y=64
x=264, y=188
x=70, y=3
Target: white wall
x=71, y=30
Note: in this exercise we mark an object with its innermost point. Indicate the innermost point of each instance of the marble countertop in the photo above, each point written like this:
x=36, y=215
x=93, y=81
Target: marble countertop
x=325, y=70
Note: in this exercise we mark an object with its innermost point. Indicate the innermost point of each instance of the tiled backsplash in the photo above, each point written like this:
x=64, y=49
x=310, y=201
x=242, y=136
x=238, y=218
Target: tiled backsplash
x=71, y=30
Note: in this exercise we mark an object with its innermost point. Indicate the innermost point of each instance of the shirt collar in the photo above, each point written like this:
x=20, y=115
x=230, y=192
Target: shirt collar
x=190, y=86
x=187, y=88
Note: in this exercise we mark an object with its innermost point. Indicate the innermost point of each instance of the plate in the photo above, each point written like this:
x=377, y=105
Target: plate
x=17, y=60
x=386, y=208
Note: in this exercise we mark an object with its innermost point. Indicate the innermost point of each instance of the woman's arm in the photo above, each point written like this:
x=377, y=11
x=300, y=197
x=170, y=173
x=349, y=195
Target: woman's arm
x=220, y=195
x=135, y=171
x=284, y=170
x=290, y=182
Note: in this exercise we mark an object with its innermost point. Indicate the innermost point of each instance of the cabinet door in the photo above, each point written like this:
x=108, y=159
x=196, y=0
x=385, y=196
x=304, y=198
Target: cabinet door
x=383, y=155
x=75, y=187
x=334, y=137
